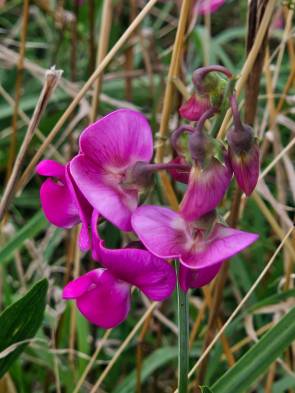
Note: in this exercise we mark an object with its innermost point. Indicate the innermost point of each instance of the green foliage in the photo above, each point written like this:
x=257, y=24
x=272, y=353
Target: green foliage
x=19, y=323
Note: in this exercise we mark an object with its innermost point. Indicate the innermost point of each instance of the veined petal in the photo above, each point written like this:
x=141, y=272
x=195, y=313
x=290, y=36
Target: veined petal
x=246, y=168
x=51, y=168
x=103, y=192
x=194, y=108
x=196, y=278
x=205, y=190
x=58, y=204
x=163, y=232
x=220, y=245
x=118, y=140
x=101, y=298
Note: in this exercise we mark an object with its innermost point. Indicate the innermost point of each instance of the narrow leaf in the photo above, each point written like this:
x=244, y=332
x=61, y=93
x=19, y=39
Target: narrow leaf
x=255, y=362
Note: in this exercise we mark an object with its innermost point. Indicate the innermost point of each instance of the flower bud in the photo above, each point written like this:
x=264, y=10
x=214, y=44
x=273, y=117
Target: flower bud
x=243, y=152
x=194, y=107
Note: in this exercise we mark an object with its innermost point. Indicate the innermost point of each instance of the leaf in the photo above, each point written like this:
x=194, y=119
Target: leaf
x=32, y=228
x=255, y=362
x=19, y=323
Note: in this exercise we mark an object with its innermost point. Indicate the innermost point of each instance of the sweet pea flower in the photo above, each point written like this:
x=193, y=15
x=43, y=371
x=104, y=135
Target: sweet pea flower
x=103, y=295
x=204, y=7
x=63, y=204
x=109, y=150
x=167, y=234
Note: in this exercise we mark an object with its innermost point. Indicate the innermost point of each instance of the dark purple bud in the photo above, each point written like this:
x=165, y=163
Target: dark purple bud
x=243, y=151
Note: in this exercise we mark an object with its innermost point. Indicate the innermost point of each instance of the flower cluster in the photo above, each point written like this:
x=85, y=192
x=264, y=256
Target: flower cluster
x=105, y=181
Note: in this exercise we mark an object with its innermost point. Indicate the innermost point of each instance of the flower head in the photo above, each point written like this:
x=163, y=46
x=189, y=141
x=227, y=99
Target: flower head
x=109, y=150
x=62, y=203
x=103, y=295
x=243, y=152
x=168, y=234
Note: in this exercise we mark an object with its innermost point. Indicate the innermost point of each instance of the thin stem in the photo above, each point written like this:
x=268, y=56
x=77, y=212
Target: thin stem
x=183, y=338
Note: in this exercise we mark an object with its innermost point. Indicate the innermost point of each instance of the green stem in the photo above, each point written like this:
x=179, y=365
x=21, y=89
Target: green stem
x=183, y=338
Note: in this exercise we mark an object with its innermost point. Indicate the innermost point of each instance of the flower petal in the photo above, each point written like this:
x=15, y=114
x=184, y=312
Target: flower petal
x=58, y=204
x=103, y=192
x=205, y=7
x=50, y=168
x=205, y=190
x=101, y=298
x=163, y=232
x=181, y=176
x=194, y=108
x=196, y=278
x=118, y=140
x=246, y=169
x=221, y=244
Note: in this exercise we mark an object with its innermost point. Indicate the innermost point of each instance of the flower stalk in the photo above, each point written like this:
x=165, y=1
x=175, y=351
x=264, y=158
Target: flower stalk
x=183, y=337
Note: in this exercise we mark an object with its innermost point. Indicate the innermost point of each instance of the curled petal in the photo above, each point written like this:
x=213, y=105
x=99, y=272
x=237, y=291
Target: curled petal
x=246, y=168
x=118, y=140
x=103, y=192
x=194, y=108
x=221, y=244
x=206, y=188
x=101, y=298
x=51, y=168
x=152, y=275
x=196, y=278
x=163, y=232
x=58, y=204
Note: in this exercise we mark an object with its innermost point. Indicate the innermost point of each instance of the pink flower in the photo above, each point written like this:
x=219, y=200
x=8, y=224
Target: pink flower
x=62, y=203
x=109, y=150
x=168, y=234
x=206, y=188
x=204, y=7
x=194, y=107
x=103, y=295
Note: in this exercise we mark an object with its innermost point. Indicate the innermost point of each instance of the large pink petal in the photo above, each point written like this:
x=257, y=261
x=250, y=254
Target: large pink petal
x=221, y=244
x=163, y=232
x=101, y=298
x=206, y=189
x=51, y=168
x=118, y=140
x=196, y=278
x=58, y=205
x=103, y=192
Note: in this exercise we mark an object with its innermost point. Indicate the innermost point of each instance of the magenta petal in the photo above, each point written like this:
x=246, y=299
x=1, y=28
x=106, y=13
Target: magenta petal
x=163, y=232
x=103, y=192
x=101, y=298
x=152, y=275
x=209, y=6
x=246, y=169
x=221, y=244
x=118, y=140
x=58, y=204
x=194, y=108
x=196, y=278
x=50, y=168
x=206, y=188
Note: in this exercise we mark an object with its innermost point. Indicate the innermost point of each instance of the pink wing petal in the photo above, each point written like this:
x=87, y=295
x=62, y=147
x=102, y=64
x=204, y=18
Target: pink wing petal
x=101, y=298
x=152, y=275
x=58, y=204
x=118, y=140
x=222, y=244
x=196, y=278
x=51, y=168
x=103, y=192
x=205, y=190
x=163, y=232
